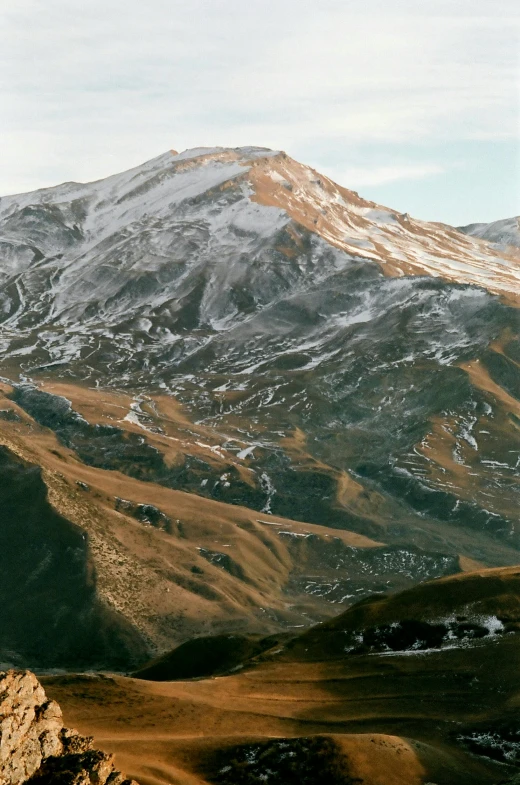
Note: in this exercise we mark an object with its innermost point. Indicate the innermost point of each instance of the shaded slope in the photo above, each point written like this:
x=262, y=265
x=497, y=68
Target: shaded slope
x=50, y=611
x=175, y=565
x=461, y=608
x=207, y=657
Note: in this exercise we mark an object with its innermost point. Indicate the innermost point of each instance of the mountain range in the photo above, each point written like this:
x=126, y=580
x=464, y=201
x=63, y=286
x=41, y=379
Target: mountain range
x=238, y=399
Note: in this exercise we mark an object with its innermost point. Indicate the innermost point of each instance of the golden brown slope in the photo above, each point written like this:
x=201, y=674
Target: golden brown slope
x=400, y=244
x=406, y=718
x=454, y=609
x=176, y=564
x=206, y=566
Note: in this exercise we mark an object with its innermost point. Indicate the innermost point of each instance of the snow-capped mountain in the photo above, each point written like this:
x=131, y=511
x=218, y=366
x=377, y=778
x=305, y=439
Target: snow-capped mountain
x=203, y=241
x=276, y=346
x=503, y=234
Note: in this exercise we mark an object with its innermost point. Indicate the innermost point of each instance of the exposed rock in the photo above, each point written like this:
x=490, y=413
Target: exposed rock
x=145, y=513
x=29, y=727
x=9, y=415
x=36, y=748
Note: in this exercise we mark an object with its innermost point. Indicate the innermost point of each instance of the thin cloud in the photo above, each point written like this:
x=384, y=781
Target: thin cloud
x=91, y=89
x=358, y=177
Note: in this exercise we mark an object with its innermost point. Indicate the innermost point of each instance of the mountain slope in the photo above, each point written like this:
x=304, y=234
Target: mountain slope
x=226, y=340
x=502, y=234
x=199, y=242
x=130, y=567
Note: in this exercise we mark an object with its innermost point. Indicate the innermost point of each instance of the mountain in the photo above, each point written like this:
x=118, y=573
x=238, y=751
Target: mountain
x=236, y=398
x=155, y=264
x=414, y=688
x=503, y=234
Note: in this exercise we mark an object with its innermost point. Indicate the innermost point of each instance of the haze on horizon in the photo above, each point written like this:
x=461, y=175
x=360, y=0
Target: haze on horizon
x=416, y=107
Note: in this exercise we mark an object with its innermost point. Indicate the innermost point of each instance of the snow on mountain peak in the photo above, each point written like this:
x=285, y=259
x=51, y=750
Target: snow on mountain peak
x=400, y=244
x=236, y=195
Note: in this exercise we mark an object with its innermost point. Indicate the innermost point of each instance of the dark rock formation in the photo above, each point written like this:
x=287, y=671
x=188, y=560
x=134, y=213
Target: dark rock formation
x=306, y=761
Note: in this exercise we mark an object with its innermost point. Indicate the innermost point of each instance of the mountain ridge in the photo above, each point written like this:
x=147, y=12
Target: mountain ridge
x=501, y=233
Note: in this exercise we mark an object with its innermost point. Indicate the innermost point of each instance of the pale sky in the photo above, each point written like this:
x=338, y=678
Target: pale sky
x=414, y=103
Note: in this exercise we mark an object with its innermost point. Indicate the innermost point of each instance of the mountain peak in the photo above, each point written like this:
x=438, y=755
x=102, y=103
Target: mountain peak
x=257, y=190
x=504, y=234
x=238, y=398
x=247, y=151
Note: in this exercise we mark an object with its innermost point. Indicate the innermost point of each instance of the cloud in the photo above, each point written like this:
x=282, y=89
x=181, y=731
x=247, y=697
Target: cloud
x=92, y=88
x=359, y=177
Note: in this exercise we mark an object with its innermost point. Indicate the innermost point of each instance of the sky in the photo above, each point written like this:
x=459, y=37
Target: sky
x=414, y=104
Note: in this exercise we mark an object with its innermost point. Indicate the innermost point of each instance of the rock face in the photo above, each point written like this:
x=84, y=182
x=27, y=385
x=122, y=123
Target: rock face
x=36, y=748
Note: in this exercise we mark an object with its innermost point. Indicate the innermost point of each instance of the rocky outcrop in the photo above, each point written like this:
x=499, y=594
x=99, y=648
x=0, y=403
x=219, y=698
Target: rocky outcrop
x=36, y=748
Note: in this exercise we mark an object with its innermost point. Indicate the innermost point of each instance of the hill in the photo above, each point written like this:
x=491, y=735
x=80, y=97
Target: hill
x=395, y=713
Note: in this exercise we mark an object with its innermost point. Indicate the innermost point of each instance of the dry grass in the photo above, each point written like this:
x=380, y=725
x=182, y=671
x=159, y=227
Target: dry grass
x=393, y=718
x=481, y=379
x=158, y=579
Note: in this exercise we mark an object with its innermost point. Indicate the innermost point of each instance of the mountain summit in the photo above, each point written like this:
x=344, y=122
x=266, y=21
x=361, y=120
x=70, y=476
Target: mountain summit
x=504, y=234
x=201, y=240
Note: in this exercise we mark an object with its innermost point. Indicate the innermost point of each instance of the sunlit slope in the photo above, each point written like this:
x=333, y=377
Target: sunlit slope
x=407, y=712
x=200, y=241
x=98, y=528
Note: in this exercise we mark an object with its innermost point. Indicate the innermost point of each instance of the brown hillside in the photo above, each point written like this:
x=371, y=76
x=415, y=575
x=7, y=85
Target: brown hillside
x=405, y=718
